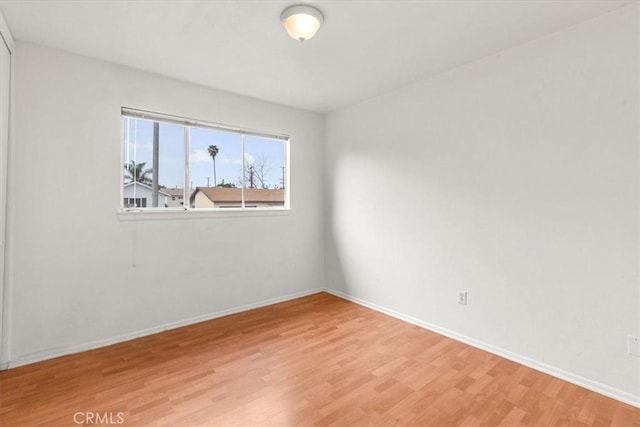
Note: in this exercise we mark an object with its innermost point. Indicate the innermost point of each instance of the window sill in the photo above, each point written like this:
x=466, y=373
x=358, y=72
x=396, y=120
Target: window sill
x=170, y=214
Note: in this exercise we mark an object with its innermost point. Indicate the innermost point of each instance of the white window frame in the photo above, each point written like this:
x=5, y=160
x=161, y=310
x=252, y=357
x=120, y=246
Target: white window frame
x=186, y=211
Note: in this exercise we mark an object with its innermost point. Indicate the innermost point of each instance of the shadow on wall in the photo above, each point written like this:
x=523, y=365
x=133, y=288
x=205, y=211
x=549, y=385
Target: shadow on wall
x=370, y=246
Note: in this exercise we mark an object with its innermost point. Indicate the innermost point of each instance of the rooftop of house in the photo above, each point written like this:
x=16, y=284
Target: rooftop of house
x=139, y=184
x=251, y=195
x=178, y=192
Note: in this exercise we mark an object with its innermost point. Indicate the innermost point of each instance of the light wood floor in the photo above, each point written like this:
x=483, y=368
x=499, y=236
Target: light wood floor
x=317, y=360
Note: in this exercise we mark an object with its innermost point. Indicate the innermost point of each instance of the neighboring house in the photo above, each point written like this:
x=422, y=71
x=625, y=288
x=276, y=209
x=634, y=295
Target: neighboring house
x=138, y=195
x=220, y=197
x=176, y=197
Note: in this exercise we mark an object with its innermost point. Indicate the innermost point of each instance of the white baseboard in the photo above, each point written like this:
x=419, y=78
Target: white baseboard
x=595, y=386
x=63, y=351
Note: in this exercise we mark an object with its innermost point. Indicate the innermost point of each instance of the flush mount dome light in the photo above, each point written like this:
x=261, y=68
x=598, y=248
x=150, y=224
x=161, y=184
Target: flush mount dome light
x=302, y=21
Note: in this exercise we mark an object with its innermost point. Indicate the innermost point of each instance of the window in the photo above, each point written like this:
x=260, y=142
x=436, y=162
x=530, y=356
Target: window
x=208, y=166
x=130, y=202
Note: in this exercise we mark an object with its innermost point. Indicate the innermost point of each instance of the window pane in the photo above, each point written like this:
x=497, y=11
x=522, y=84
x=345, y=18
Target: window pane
x=265, y=173
x=215, y=169
x=171, y=164
x=138, y=163
x=138, y=160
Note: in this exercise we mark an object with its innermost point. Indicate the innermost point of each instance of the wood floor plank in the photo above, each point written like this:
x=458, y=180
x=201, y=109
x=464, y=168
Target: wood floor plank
x=314, y=361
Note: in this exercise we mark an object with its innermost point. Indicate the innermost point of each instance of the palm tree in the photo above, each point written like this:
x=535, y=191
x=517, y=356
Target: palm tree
x=137, y=173
x=213, y=152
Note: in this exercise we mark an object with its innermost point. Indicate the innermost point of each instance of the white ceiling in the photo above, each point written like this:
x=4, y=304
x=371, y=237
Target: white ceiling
x=364, y=48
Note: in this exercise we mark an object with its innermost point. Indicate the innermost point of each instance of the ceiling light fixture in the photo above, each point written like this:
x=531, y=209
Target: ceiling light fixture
x=302, y=21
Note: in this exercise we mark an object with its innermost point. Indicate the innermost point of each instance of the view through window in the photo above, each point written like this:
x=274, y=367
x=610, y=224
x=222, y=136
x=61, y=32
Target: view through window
x=178, y=163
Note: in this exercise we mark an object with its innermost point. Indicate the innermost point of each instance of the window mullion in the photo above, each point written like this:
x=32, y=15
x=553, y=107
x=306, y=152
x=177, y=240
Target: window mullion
x=186, y=188
x=135, y=160
x=243, y=172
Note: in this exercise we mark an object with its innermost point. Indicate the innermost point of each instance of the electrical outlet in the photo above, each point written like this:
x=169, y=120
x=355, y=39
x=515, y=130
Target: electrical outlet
x=462, y=297
x=633, y=345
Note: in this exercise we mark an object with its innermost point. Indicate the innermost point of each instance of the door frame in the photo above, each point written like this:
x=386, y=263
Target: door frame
x=6, y=39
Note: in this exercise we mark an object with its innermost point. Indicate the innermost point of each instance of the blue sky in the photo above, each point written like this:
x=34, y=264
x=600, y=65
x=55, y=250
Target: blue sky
x=139, y=147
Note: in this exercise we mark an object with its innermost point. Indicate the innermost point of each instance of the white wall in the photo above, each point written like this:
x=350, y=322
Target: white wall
x=514, y=178
x=72, y=259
